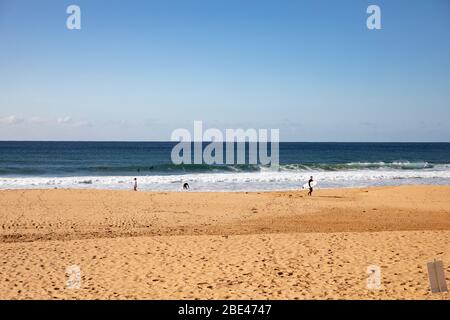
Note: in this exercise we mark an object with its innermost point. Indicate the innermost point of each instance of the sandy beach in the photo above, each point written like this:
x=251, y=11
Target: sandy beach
x=247, y=245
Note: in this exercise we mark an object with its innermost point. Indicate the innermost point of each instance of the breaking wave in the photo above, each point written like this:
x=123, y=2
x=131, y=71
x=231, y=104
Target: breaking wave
x=163, y=169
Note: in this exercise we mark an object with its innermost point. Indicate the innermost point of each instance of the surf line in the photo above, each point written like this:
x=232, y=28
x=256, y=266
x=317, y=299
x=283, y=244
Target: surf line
x=213, y=153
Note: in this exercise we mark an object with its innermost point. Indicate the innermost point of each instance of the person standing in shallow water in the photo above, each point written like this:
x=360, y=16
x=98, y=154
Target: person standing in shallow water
x=135, y=184
x=310, y=186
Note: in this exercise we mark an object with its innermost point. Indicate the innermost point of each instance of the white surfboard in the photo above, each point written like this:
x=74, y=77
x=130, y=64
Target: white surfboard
x=313, y=184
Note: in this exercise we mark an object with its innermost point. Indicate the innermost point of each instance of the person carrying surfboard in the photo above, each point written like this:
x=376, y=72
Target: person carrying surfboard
x=310, y=184
x=135, y=184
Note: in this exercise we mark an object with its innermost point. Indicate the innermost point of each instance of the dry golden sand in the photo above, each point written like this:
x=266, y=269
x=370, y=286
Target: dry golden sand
x=266, y=245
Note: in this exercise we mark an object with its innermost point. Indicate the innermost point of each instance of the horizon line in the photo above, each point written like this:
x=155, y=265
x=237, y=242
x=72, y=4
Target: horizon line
x=208, y=141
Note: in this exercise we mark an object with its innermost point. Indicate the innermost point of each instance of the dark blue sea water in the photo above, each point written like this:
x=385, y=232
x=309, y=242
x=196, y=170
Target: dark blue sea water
x=112, y=165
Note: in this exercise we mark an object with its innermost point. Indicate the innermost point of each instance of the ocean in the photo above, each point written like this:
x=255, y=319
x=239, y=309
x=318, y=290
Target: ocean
x=114, y=165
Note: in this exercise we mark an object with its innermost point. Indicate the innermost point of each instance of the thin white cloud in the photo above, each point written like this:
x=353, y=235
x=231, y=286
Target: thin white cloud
x=82, y=123
x=69, y=121
x=39, y=120
x=11, y=120
x=64, y=120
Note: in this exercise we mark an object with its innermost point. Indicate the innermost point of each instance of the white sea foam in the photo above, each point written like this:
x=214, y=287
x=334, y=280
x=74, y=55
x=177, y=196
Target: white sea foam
x=238, y=181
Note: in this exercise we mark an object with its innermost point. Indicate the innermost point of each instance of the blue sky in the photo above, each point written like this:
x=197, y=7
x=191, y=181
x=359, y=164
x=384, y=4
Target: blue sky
x=137, y=70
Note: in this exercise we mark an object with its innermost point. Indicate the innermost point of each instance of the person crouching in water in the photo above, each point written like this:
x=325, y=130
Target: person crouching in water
x=185, y=186
x=310, y=186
